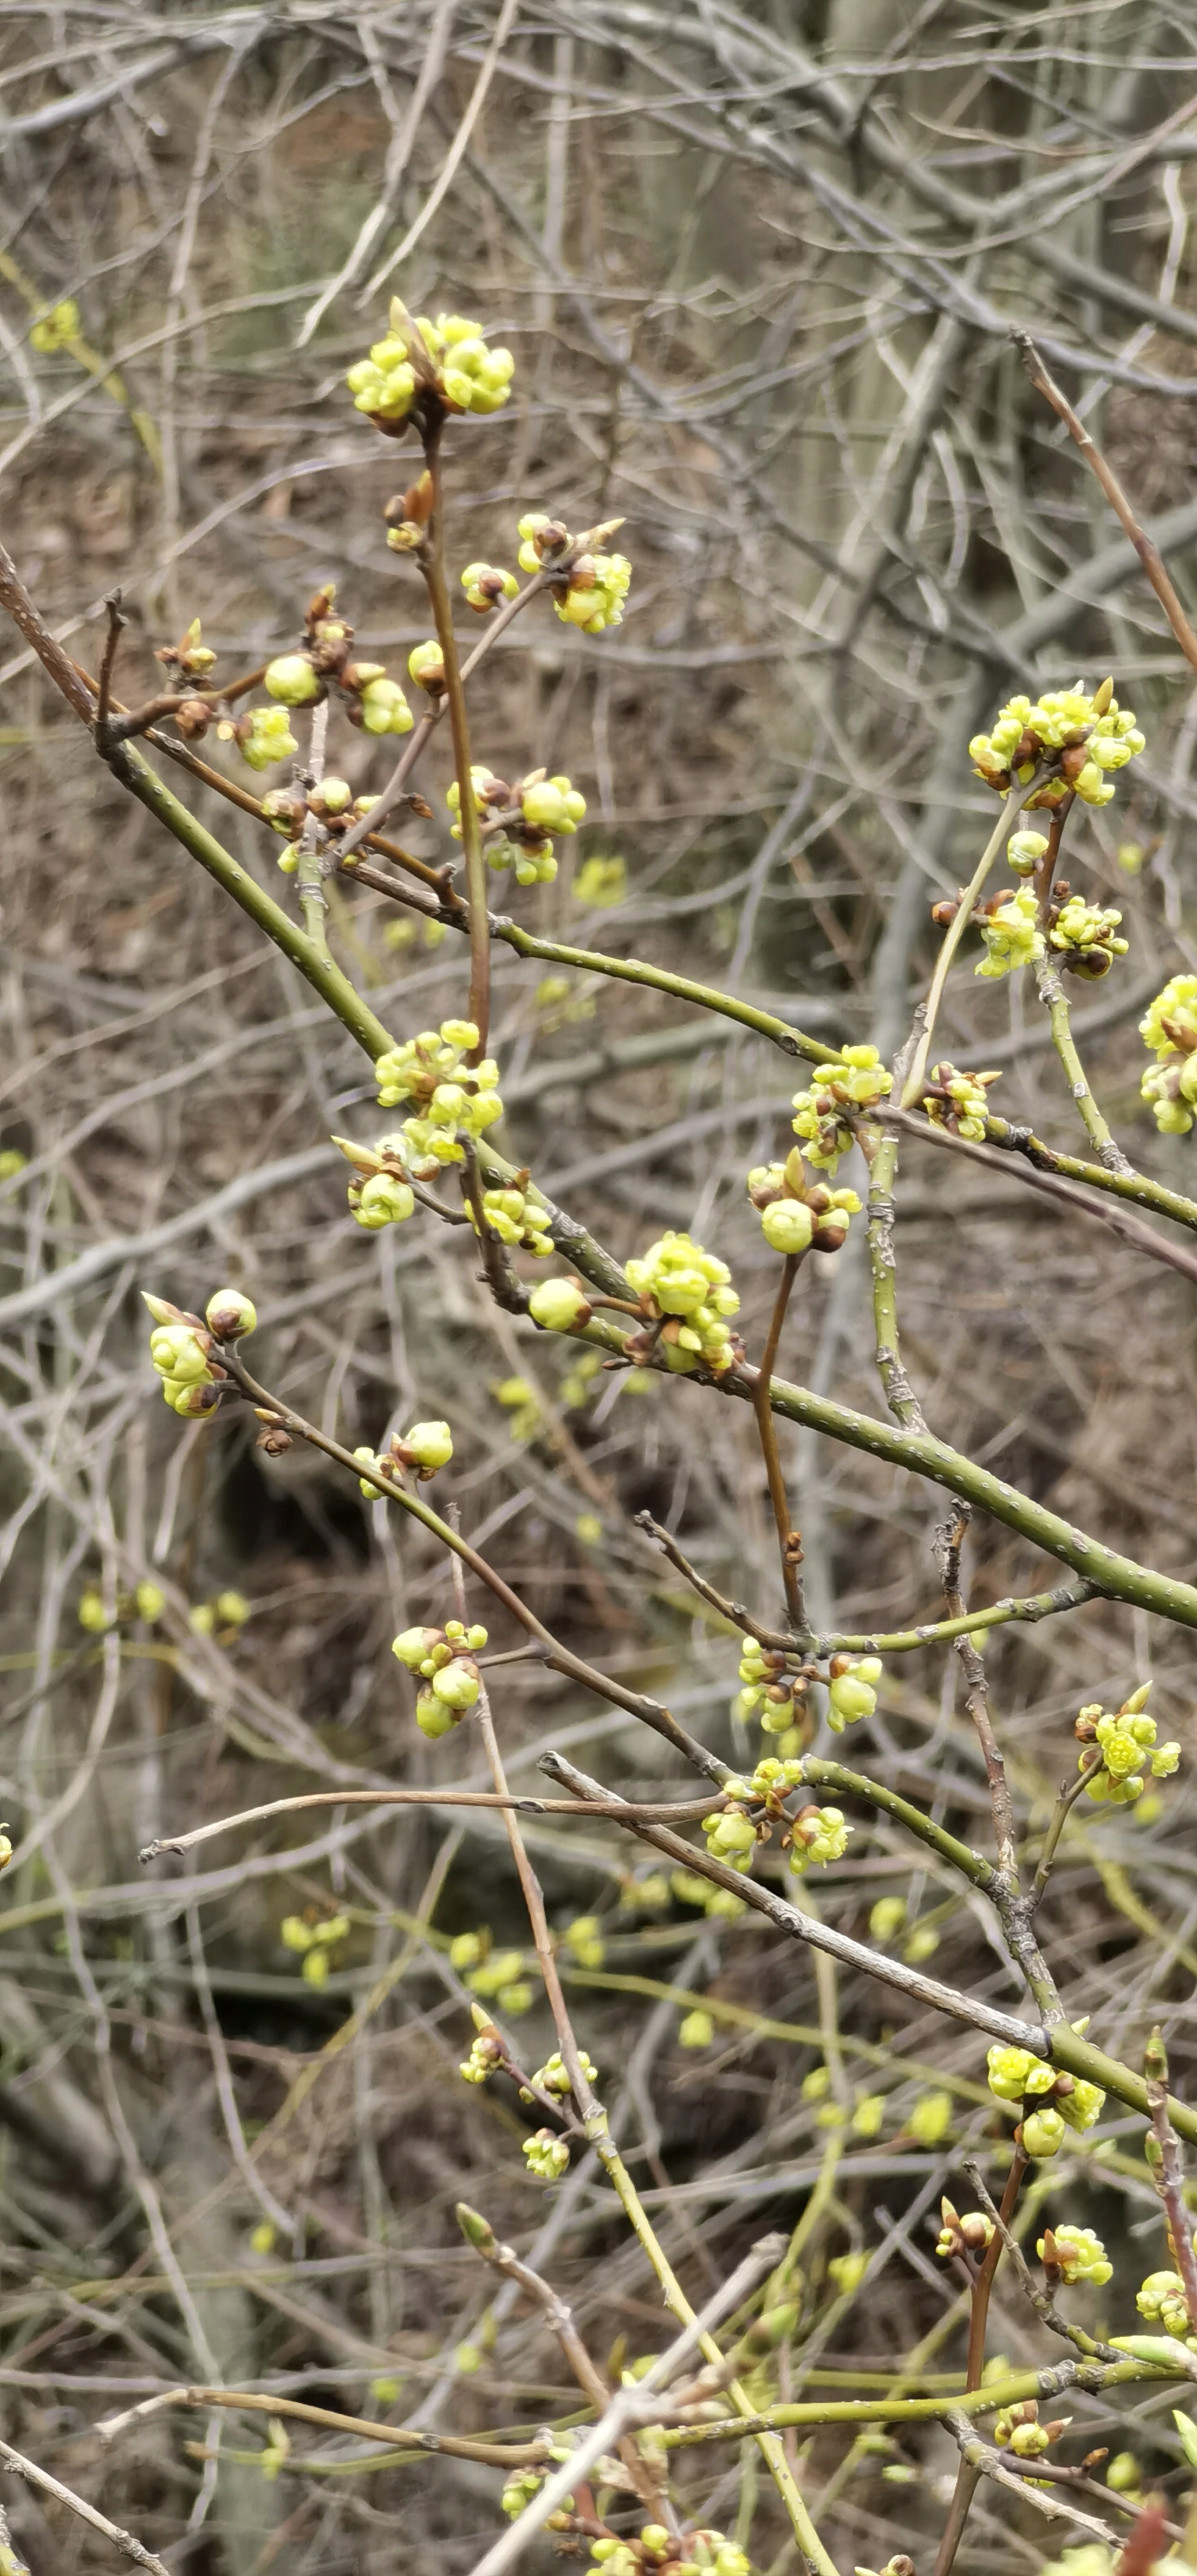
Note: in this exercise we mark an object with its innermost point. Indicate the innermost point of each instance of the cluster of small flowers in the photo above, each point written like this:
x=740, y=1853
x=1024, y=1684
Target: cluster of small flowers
x=1084, y=933
x=719, y=1902
x=796, y=1214
x=524, y=2484
x=1161, y=2299
x=958, y=1100
x=970, y=2234
x=56, y=329
x=1075, y=2254
x=444, y=1659
x=1128, y=1751
x=698, y=2553
x=583, y=1938
x=181, y=1347
x=426, y=1447
x=521, y=820
x=851, y=1689
x=229, y=1611
x=1060, y=2101
x=380, y=1197
x=1019, y=2429
x=147, y=1601
x=769, y=1688
x=498, y=1975
x=447, y=360
x=592, y=588
x=817, y=1834
x=450, y=1098
x=377, y=704
x=1081, y=736
x=485, y=585
x=853, y=1084
x=516, y=1220
x=547, y=2154
x=1011, y=933
x=313, y=1941
x=691, y=1289
x=1170, y=1029
x=553, y=2077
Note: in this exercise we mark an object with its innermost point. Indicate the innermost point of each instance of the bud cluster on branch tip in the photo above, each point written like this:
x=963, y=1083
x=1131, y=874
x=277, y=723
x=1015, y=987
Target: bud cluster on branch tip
x=432, y=367
x=588, y=588
x=1058, y=2102
x=313, y=1941
x=823, y=1115
x=56, y=329
x=1010, y=929
x=520, y=821
x=970, y=2234
x=1126, y=1740
x=689, y=1291
x=450, y=1098
x=851, y=1689
x=486, y=584
x=516, y=1220
x=181, y=1349
x=958, y=1100
x=1161, y=2299
x=190, y=658
x=443, y=1658
x=146, y=1601
x=930, y=2119
x=692, y=2553
x=818, y=1834
x=262, y=735
x=524, y=2484
x=1076, y=2254
x=1080, y=737
x=1169, y=1028
x=795, y=1213
x=553, y=2076
x=770, y=1688
x=1018, y=2429
x=600, y=883
x=547, y=2154
x=1083, y=935
x=426, y=1448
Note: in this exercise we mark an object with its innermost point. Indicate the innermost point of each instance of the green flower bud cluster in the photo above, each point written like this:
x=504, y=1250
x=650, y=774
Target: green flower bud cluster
x=576, y=1388
x=600, y=883
x=958, y=1100
x=1076, y=2254
x=1012, y=935
x=696, y=2029
x=56, y=329
x=818, y=1119
x=1127, y=1738
x=548, y=2155
x=484, y=586
x=929, y=2119
x=692, y=1290
x=444, y=1659
x=731, y=1836
x=496, y=1974
x=698, y=2553
x=583, y=1938
x=1060, y=2102
x=263, y=737
x=449, y=1098
x=1161, y=2299
x=690, y=1889
x=518, y=1398
x=847, y=2271
x=1083, y=736
x=377, y=705
x=851, y=1689
x=292, y=680
x=486, y=2054
x=1017, y=2428
x=181, y=1347
x=970, y=2234
x=146, y=1601
x=516, y=1220
x=427, y=1447
x=796, y=1215
x=313, y=1941
x=383, y=1198
x=553, y=2076
x=530, y=813
x=595, y=592
x=769, y=1688
x=446, y=361
x=818, y=1834
x=1085, y=934
x=1170, y=1030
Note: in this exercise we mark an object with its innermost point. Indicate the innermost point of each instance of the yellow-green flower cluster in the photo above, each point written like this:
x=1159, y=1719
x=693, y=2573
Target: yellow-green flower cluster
x=484, y=586
x=313, y=1941
x=1083, y=736
x=181, y=1347
x=548, y=2155
x=1060, y=2102
x=516, y=1220
x=263, y=737
x=1012, y=935
x=1018, y=2428
x=496, y=1974
x=449, y=1097
x=970, y=2234
x=1024, y=851
x=730, y=1835
x=1085, y=933
x=1127, y=1738
x=1076, y=2254
x=447, y=359
x=1170, y=1029
x=692, y=1290
x=384, y=1198
x=598, y=587
x=697, y=2553
x=1161, y=2299
x=959, y=1100
x=56, y=329
x=794, y=1215
x=818, y=1834
x=853, y=1084
x=444, y=1660
x=601, y=882
x=554, y=2077
x=851, y=1689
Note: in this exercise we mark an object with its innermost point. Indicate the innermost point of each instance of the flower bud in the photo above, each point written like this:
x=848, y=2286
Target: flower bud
x=559, y=1306
x=430, y=1444
x=787, y=1226
x=291, y=680
x=426, y=666
x=228, y=1315
x=414, y=1645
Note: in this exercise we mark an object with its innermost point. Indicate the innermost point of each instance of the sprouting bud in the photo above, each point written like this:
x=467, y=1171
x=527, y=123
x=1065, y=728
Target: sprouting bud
x=476, y=2230
x=551, y=804
x=381, y=706
x=430, y=1444
x=426, y=667
x=291, y=680
x=1024, y=851
x=229, y=1314
x=559, y=1306
x=192, y=717
x=1043, y=2133
x=600, y=883
x=284, y=811
x=851, y=1691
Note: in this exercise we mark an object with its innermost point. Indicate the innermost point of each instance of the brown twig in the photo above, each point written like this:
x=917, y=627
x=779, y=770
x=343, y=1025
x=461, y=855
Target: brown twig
x=77, y=2504
x=788, y=1539
x=970, y=2471
x=733, y=1611
x=499, y=2455
x=1167, y=2173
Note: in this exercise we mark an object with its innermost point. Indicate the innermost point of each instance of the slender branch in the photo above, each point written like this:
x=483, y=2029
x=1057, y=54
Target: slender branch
x=979, y=2460
x=733, y=1611
x=1052, y=995
x=1070, y=1791
x=948, y=1542
x=432, y=565
x=788, y=1540
x=1168, y=2174
x=1145, y=547
x=1136, y=1185
x=78, y=2505
x=658, y=979
x=1046, y=1178
x=394, y=2437
x=683, y=1811
x=970, y=2470
x=116, y=628
x=1031, y=1607
x=1007, y=822
x=1013, y=2390
x=1040, y=2298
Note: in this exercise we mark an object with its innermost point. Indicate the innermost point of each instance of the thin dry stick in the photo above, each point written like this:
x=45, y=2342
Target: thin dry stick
x=1145, y=547
x=788, y=1538
x=1168, y=2172
x=682, y=1812
x=77, y=2504
x=970, y=2471
x=394, y=2437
